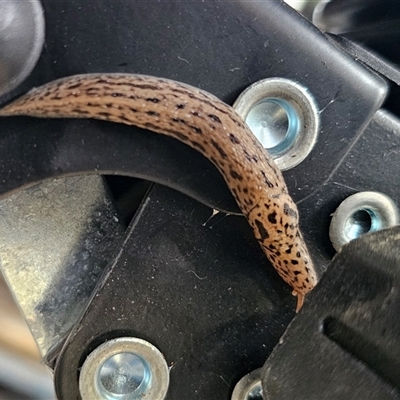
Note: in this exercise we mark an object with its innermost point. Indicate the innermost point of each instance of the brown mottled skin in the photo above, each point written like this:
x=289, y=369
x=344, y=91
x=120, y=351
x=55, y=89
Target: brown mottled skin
x=208, y=125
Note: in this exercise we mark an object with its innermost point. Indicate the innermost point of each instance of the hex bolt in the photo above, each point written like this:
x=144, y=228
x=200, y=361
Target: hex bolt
x=362, y=213
x=283, y=116
x=124, y=369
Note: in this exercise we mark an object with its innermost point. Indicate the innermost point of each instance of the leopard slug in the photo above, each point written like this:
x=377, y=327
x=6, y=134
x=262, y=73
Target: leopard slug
x=204, y=123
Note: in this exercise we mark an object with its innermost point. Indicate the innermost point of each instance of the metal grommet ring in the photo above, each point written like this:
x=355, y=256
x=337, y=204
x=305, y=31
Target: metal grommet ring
x=22, y=34
x=362, y=213
x=124, y=369
x=249, y=387
x=283, y=116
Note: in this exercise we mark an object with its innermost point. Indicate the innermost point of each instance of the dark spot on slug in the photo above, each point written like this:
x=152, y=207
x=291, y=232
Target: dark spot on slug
x=124, y=118
x=289, y=211
x=116, y=94
x=238, y=123
x=180, y=106
x=104, y=114
x=297, y=272
x=298, y=255
x=144, y=86
x=214, y=118
x=152, y=113
x=196, y=129
x=272, y=217
x=266, y=180
x=248, y=202
x=234, y=139
x=179, y=121
x=219, y=149
x=247, y=155
x=153, y=100
x=181, y=136
x=75, y=86
x=236, y=175
x=261, y=229
x=198, y=145
x=245, y=190
x=294, y=262
x=150, y=125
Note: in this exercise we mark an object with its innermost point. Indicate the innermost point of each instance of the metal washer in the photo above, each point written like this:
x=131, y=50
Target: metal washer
x=249, y=387
x=22, y=34
x=88, y=380
x=303, y=104
x=383, y=208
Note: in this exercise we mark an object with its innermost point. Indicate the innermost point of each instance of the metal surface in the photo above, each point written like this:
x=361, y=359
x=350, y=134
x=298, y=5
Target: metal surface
x=124, y=368
x=203, y=293
x=249, y=387
x=345, y=344
x=21, y=40
x=55, y=240
x=362, y=213
x=283, y=116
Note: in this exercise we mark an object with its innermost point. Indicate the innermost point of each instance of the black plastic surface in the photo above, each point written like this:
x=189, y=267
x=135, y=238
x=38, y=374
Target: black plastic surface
x=373, y=163
x=203, y=293
x=345, y=344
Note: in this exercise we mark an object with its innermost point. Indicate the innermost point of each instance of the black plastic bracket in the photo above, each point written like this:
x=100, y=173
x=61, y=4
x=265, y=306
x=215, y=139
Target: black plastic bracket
x=202, y=292
x=345, y=344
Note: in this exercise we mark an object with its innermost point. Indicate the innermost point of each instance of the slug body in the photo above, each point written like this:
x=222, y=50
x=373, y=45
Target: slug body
x=204, y=123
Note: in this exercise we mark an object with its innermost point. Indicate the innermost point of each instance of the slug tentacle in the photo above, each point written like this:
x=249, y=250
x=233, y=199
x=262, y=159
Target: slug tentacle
x=204, y=123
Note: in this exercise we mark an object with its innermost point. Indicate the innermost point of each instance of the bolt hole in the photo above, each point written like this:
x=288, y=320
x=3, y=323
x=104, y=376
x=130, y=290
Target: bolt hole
x=124, y=375
x=361, y=222
x=275, y=123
